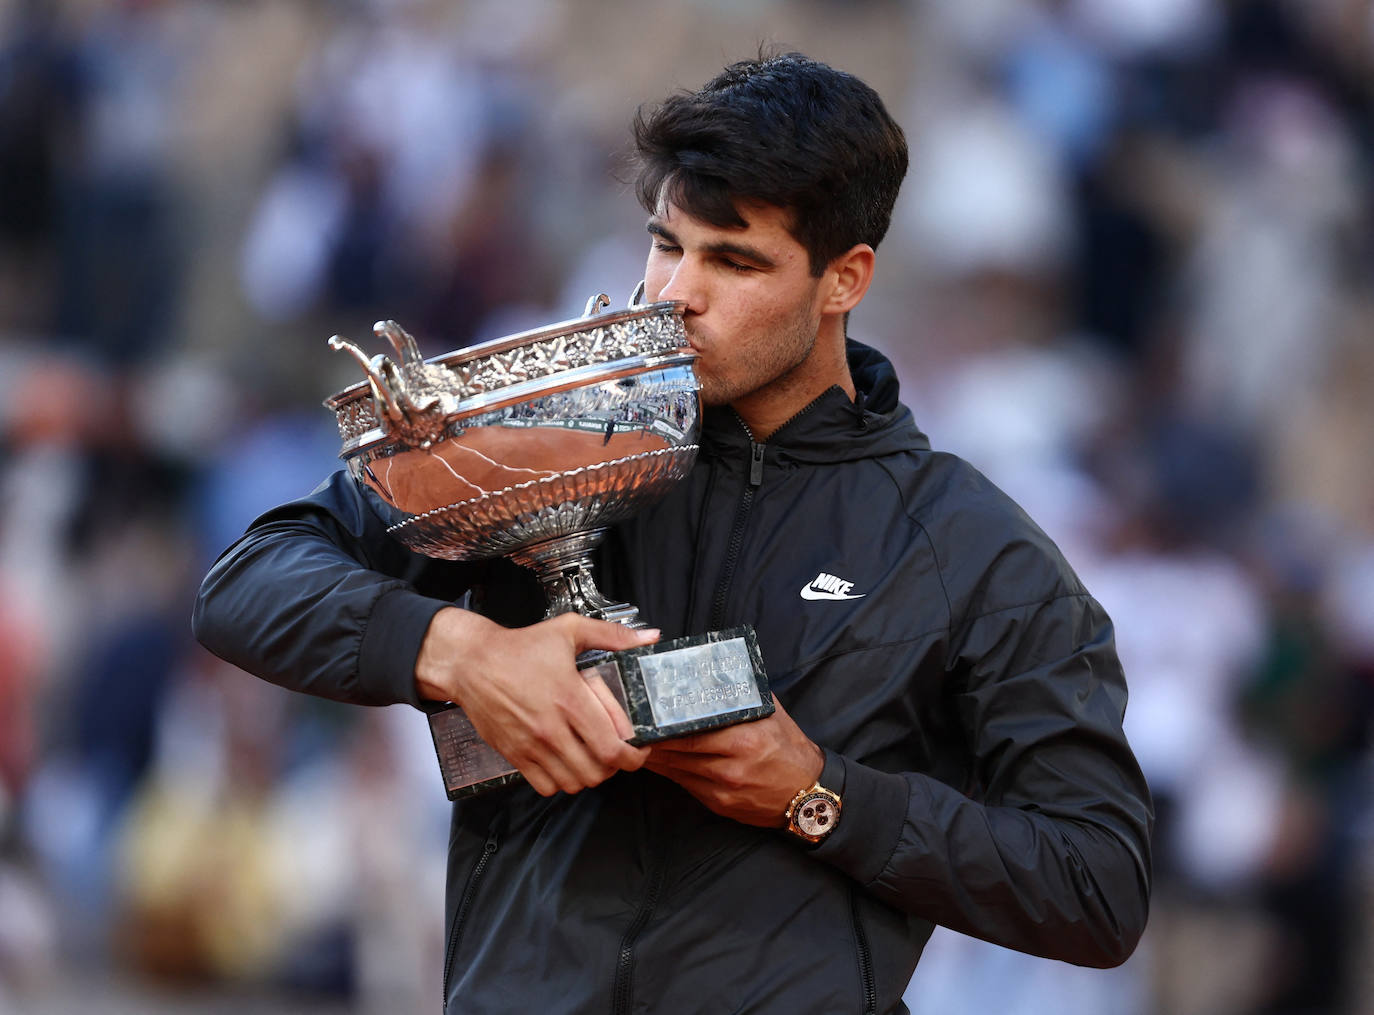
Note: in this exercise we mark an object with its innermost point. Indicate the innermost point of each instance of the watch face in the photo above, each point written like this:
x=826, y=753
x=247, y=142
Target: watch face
x=816, y=815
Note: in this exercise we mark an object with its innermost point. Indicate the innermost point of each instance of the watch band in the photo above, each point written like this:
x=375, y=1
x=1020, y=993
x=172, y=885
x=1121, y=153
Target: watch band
x=814, y=813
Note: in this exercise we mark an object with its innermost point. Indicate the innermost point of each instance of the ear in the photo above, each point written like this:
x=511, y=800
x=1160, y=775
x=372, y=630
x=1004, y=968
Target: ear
x=848, y=277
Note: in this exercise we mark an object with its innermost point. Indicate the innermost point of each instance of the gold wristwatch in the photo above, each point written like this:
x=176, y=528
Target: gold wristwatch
x=813, y=813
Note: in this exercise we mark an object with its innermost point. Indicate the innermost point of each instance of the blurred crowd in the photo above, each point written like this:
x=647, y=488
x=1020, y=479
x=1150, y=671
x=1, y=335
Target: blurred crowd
x=1131, y=277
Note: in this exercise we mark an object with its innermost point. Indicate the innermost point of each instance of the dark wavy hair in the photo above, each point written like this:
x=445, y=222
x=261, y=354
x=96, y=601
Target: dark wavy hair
x=783, y=130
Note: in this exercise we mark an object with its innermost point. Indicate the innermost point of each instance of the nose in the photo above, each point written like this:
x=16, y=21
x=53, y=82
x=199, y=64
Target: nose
x=684, y=283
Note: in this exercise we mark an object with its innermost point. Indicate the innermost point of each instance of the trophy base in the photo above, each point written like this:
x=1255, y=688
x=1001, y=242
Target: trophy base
x=669, y=689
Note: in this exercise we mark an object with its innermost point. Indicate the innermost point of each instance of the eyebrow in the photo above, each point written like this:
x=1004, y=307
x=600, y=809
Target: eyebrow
x=721, y=247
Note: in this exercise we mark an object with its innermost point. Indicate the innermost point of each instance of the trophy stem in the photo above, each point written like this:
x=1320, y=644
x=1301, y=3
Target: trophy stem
x=564, y=565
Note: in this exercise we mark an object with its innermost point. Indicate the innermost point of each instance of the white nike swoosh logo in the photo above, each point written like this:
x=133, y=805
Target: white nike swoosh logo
x=808, y=592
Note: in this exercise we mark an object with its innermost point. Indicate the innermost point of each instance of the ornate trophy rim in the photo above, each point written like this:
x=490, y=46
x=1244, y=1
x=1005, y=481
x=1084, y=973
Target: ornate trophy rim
x=504, y=370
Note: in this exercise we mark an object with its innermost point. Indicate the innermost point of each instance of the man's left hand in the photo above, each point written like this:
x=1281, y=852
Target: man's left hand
x=749, y=772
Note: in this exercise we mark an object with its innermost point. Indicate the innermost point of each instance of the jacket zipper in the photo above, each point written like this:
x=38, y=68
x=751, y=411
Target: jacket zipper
x=474, y=879
x=865, y=957
x=622, y=993
x=727, y=575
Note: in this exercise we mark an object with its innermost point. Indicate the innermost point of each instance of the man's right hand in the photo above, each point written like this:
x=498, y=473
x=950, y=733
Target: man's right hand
x=525, y=696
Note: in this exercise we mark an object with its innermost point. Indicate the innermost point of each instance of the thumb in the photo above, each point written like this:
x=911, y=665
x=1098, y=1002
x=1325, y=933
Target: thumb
x=603, y=634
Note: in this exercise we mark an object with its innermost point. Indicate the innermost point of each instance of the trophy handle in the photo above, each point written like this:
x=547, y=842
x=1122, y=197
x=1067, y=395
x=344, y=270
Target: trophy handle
x=393, y=383
x=401, y=340
x=563, y=565
x=375, y=370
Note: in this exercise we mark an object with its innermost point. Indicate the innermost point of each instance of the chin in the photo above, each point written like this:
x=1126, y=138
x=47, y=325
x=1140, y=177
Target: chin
x=713, y=394
x=707, y=388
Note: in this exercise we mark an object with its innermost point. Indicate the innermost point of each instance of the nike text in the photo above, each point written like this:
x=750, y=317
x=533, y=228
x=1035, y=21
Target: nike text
x=828, y=586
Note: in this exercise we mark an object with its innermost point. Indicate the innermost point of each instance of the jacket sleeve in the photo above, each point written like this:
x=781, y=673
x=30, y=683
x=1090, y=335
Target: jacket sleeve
x=1048, y=853
x=317, y=598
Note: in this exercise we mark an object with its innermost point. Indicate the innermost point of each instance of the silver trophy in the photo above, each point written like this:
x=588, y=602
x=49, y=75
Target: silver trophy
x=529, y=446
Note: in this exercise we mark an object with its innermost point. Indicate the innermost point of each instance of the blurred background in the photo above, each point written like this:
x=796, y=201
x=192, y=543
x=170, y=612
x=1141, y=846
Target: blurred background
x=1131, y=277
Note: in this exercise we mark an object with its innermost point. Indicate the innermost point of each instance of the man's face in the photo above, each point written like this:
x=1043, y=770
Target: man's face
x=751, y=299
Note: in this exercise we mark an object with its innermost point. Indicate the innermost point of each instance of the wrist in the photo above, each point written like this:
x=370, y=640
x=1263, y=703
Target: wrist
x=810, y=775
x=453, y=634
x=813, y=811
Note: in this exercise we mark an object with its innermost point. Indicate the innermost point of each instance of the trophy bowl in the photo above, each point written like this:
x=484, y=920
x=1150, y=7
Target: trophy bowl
x=529, y=446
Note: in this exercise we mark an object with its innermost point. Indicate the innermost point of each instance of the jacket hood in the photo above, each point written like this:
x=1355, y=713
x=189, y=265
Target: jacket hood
x=832, y=428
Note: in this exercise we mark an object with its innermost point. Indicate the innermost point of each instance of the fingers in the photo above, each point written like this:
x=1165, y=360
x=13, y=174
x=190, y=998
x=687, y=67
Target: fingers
x=605, y=730
x=566, y=765
x=624, y=729
x=672, y=763
x=628, y=758
x=584, y=745
x=695, y=745
x=540, y=780
x=746, y=739
x=601, y=634
x=560, y=773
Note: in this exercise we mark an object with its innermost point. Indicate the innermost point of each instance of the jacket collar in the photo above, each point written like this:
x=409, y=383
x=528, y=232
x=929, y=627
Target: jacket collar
x=832, y=428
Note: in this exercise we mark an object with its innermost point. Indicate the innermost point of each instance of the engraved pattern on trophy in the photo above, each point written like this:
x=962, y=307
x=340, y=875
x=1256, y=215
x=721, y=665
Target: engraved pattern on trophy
x=463, y=375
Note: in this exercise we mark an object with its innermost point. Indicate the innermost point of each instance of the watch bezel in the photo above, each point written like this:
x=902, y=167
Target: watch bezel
x=813, y=792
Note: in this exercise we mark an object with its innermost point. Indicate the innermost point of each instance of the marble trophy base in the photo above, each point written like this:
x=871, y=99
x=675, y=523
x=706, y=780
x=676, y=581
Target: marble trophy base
x=687, y=685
